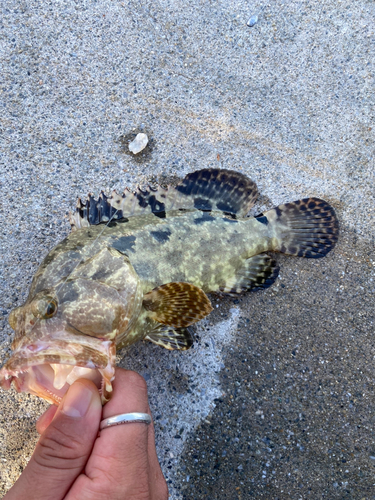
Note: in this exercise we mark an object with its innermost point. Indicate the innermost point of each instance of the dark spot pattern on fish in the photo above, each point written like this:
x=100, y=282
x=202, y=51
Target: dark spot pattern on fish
x=145, y=270
x=161, y=236
x=156, y=206
x=185, y=188
x=205, y=218
x=161, y=215
x=262, y=219
x=225, y=219
x=125, y=244
x=68, y=244
x=202, y=204
x=102, y=274
x=278, y=211
x=68, y=294
x=224, y=207
x=123, y=220
x=117, y=214
x=51, y=257
x=141, y=200
x=92, y=208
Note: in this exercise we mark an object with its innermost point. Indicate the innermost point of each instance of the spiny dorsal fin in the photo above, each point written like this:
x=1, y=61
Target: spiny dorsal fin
x=116, y=206
x=257, y=273
x=207, y=189
x=177, y=304
x=171, y=338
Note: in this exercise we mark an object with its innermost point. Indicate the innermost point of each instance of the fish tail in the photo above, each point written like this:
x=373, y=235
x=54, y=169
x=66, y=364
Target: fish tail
x=305, y=228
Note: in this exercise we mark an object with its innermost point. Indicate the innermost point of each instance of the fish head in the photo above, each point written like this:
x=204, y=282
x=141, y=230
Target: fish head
x=69, y=330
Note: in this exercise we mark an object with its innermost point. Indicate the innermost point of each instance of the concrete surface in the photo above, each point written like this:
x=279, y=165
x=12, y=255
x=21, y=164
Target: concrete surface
x=276, y=400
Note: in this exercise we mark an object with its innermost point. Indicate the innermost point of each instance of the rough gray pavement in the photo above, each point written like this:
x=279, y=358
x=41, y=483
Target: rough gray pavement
x=276, y=399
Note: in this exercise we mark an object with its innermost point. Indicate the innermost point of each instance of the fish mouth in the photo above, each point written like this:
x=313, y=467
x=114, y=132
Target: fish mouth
x=47, y=369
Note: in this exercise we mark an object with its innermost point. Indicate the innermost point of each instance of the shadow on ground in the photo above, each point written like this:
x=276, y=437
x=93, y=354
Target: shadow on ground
x=296, y=418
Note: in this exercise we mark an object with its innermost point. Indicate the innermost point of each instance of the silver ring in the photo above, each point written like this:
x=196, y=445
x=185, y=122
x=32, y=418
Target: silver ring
x=126, y=418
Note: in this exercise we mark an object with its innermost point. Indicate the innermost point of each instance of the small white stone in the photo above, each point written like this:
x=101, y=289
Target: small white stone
x=139, y=143
x=252, y=21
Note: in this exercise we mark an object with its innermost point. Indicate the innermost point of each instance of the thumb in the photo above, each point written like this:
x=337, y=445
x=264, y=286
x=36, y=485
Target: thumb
x=64, y=447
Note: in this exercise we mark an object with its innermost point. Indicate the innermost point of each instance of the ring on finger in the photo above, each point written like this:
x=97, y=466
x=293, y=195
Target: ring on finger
x=126, y=418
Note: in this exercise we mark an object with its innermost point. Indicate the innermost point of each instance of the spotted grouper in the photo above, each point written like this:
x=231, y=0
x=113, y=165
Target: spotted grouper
x=138, y=266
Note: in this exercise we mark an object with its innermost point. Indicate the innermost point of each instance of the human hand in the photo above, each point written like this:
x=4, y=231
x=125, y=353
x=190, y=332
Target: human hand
x=72, y=462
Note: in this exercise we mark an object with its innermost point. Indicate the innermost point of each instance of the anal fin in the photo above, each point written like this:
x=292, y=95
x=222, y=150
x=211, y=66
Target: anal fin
x=257, y=273
x=171, y=338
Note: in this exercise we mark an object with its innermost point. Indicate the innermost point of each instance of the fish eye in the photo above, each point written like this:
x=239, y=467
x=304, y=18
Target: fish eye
x=45, y=308
x=51, y=309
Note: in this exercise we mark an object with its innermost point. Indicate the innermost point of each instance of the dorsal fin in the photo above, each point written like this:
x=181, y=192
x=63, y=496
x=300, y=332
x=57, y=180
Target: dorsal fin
x=207, y=189
x=219, y=189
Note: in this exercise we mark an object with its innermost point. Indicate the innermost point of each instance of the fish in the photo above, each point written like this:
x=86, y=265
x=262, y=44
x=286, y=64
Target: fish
x=139, y=265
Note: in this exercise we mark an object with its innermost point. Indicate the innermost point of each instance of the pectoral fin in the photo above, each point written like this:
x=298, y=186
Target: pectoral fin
x=171, y=338
x=177, y=304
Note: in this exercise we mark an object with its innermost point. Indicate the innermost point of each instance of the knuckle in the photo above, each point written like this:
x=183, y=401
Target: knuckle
x=115, y=484
x=136, y=381
x=58, y=448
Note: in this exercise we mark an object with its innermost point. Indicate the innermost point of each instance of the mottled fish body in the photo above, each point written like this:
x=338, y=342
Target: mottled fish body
x=138, y=266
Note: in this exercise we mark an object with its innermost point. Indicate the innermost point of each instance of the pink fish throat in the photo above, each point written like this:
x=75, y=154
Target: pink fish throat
x=47, y=369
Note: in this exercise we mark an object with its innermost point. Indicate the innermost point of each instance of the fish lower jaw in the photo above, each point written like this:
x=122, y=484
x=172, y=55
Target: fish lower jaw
x=51, y=380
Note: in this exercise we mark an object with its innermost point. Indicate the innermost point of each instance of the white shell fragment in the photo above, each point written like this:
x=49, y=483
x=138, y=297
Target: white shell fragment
x=139, y=143
x=252, y=21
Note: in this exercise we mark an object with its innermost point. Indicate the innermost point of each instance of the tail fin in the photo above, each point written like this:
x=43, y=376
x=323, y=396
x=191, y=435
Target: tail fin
x=307, y=228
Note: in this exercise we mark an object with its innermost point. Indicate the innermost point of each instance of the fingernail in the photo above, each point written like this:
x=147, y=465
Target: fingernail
x=77, y=400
